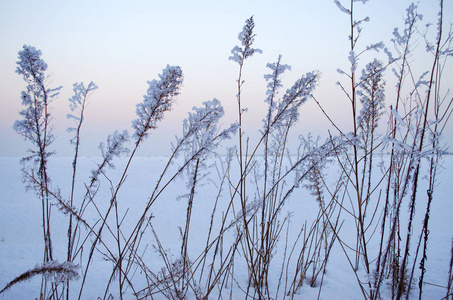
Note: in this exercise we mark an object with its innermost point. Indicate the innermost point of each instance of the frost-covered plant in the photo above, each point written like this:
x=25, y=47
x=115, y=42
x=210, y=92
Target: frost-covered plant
x=260, y=238
x=400, y=131
x=201, y=136
x=371, y=96
x=239, y=55
x=246, y=37
x=318, y=159
x=427, y=145
x=412, y=125
x=319, y=240
x=353, y=161
x=35, y=127
x=52, y=271
x=158, y=99
x=282, y=114
x=200, y=139
x=288, y=109
x=201, y=133
x=272, y=147
x=371, y=92
x=77, y=104
x=273, y=86
x=114, y=148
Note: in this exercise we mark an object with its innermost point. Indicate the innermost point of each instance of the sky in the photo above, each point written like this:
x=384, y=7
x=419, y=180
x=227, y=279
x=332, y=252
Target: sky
x=120, y=45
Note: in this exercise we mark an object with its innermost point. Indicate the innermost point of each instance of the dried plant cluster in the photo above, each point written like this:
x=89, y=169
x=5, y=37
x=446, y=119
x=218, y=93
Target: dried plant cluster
x=256, y=181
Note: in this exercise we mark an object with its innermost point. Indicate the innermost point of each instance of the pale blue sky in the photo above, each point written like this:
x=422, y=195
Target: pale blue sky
x=120, y=45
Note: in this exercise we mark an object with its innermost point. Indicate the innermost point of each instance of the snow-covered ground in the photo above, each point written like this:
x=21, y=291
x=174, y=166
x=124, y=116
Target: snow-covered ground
x=21, y=242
